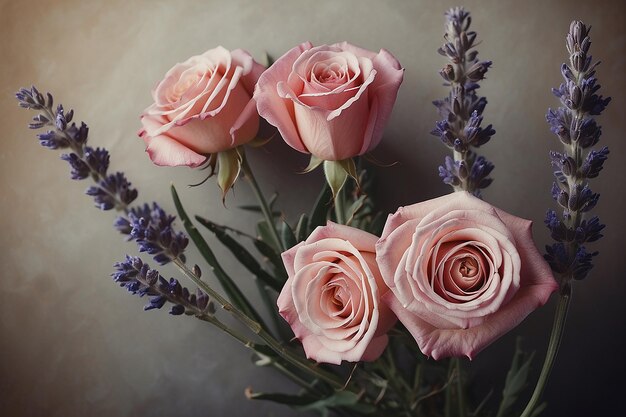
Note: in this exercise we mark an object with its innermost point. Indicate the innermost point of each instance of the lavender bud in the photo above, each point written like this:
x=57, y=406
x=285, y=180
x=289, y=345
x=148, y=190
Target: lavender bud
x=478, y=70
x=447, y=73
x=196, y=270
x=579, y=61
x=594, y=162
x=567, y=73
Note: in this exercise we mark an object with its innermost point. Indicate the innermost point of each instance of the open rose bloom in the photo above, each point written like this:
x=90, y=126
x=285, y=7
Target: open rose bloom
x=331, y=101
x=202, y=106
x=461, y=273
x=332, y=297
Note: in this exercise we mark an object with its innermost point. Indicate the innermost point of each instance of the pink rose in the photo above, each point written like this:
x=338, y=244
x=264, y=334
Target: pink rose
x=202, y=106
x=461, y=273
x=331, y=299
x=330, y=101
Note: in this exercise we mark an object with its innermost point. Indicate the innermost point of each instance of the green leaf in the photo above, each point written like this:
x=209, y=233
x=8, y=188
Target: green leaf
x=281, y=326
x=241, y=253
x=319, y=213
x=257, y=209
x=287, y=236
x=516, y=379
x=336, y=176
x=345, y=399
x=230, y=288
x=265, y=235
x=355, y=208
x=272, y=255
x=302, y=228
x=377, y=224
x=286, y=399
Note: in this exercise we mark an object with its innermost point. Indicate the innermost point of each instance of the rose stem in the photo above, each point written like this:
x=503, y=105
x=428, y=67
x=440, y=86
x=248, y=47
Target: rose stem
x=340, y=210
x=553, y=348
x=257, y=329
x=269, y=218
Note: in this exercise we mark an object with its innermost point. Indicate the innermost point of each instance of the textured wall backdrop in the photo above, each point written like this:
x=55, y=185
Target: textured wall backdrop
x=73, y=344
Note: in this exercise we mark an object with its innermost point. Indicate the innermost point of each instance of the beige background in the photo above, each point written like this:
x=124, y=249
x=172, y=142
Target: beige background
x=74, y=344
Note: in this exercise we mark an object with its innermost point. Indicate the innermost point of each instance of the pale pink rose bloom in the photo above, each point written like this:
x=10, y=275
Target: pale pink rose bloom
x=461, y=273
x=331, y=299
x=202, y=106
x=332, y=101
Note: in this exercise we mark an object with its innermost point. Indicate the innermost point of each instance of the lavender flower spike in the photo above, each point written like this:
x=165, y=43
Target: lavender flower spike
x=460, y=128
x=150, y=226
x=138, y=278
x=576, y=128
x=110, y=191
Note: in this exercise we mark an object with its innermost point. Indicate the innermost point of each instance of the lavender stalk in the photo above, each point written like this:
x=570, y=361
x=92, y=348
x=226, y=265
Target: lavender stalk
x=576, y=128
x=578, y=131
x=460, y=128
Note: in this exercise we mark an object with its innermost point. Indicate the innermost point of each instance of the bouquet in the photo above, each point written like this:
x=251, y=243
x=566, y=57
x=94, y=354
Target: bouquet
x=364, y=312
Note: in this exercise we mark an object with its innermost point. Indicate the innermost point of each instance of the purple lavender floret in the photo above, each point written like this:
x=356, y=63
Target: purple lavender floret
x=460, y=128
x=476, y=176
x=110, y=191
x=577, y=129
x=151, y=228
x=137, y=277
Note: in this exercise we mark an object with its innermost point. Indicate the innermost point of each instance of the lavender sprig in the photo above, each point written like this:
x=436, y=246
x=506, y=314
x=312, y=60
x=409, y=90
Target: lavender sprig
x=460, y=129
x=137, y=277
x=574, y=125
x=148, y=225
x=111, y=191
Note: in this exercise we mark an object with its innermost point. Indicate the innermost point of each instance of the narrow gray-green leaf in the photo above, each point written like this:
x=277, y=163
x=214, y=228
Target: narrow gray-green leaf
x=230, y=288
x=241, y=253
x=287, y=236
x=302, y=228
x=319, y=213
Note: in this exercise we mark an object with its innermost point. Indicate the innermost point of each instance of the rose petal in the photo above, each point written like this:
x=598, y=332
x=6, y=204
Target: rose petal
x=277, y=111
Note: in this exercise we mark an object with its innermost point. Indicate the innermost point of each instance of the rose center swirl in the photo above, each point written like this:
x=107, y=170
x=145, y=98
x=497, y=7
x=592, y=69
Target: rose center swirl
x=332, y=73
x=462, y=271
x=337, y=299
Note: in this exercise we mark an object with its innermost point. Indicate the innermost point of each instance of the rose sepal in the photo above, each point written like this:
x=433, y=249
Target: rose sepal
x=228, y=169
x=337, y=172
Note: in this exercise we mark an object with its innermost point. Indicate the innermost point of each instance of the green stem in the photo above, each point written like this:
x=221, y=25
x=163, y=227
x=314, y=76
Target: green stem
x=257, y=329
x=340, y=210
x=269, y=218
x=553, y=348
x=461, y=157
x=455, y=399
x=253, y=346
x=231, y=332
x=459, y=388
